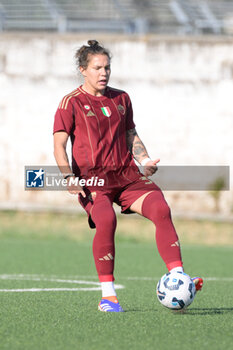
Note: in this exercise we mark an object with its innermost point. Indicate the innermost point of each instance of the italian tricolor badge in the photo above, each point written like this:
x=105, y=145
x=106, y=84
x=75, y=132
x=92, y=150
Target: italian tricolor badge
x=106, y=111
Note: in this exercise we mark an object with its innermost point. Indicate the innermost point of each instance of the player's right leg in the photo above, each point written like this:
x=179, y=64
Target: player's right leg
x=153, y=206
x=104, y=217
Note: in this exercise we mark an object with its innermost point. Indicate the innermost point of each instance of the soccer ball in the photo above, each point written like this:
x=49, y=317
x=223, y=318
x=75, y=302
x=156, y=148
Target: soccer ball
x=176, y=290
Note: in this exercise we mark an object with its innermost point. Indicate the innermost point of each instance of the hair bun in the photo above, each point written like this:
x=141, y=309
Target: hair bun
x=84, y=53
x=93, y=43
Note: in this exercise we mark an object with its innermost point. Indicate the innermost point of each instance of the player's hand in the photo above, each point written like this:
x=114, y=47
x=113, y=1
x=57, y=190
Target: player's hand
x=150, y=167
x=73, y=188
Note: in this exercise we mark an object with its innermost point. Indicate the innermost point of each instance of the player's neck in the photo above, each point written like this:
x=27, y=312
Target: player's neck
x=90, y=90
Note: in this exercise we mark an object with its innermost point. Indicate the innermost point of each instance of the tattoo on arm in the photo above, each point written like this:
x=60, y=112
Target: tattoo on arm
x=135, y=145
x=130, y=135
x=139, y=150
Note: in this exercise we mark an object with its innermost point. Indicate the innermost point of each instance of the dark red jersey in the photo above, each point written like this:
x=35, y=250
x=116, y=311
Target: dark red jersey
x=97, y=126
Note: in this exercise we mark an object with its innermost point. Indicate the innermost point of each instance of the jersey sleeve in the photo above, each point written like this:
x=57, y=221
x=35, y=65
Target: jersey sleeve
x=129, y=114
x=64, y=119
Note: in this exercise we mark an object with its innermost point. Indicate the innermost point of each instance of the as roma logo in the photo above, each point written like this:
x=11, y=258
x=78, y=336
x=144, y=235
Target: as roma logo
x=121, y=109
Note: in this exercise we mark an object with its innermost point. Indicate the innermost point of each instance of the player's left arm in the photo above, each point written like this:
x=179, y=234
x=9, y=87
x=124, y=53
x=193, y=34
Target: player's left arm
x=139, y=152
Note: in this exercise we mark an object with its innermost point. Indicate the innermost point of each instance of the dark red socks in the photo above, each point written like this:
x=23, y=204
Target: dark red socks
x=155, y=208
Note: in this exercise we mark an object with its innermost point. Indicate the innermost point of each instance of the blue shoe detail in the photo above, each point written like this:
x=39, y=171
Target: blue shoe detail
x=108, y=306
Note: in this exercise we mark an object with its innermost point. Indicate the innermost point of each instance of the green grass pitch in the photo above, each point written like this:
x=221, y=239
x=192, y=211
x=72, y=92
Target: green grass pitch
x=65, y=320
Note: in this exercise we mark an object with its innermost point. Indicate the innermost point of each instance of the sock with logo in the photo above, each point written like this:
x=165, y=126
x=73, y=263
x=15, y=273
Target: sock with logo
x=104, y=218
x=156, y=209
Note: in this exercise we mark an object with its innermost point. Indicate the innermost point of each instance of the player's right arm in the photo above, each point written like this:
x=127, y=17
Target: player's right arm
x=60, y=141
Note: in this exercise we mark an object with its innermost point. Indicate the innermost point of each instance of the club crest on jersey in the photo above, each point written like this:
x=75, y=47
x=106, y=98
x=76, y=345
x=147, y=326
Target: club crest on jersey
x=121, y=109
x=106, y=111
x=87, y=107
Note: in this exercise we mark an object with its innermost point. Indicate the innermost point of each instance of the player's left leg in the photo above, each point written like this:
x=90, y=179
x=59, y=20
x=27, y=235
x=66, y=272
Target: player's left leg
x=104, y=217
x=101, y=216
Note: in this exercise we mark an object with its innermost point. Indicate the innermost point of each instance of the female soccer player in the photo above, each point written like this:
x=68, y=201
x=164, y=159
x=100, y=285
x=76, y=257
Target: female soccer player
x=99, y=121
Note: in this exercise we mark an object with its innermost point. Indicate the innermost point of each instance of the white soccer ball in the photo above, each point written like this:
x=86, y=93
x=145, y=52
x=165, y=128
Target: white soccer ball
x=176, y=290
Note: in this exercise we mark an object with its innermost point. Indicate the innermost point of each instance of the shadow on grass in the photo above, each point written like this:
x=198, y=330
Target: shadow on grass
x=206, y=311
x=143, y=310
x=189, y=312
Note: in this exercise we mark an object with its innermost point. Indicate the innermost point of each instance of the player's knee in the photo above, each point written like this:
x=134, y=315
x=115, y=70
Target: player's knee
x=109, y=219
x=106, y=220
x=160, y=211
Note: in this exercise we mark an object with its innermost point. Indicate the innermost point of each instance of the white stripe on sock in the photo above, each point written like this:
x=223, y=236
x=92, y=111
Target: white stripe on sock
x=108, y=289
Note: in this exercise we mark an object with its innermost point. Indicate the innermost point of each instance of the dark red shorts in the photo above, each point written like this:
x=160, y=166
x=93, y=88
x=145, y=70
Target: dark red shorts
x=124, y=196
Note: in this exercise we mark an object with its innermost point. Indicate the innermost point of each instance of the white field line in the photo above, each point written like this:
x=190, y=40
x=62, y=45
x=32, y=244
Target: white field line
x=22, y=277
x=136, y=278
x=217, y=279
x=49, y=290
x=76, y=280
